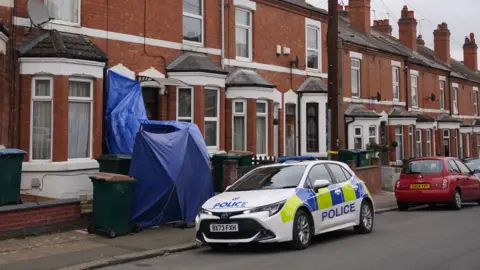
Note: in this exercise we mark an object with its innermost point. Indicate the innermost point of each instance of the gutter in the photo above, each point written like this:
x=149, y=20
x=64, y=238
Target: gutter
x=406, y=83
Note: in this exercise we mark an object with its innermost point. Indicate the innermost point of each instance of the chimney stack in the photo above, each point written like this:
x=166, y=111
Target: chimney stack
x=345, y=11
x=470, y=52
x=360, y=14
x=420, y=40
x=441, y=39
x=407, y=26
x=382, y=26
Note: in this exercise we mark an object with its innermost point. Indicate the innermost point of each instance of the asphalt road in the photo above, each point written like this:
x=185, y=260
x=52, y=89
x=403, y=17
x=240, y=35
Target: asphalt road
x=430, y=238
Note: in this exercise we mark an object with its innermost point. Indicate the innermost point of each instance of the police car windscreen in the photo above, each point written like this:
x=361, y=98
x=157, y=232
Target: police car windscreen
x=425, y=166
x=277, y=177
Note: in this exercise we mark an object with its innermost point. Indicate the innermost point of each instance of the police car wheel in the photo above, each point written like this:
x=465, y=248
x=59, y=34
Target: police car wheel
x=366, y=218
x=302, y=230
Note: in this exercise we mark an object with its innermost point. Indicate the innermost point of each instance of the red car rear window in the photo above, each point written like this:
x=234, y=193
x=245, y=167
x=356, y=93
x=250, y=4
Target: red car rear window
x=426, y=166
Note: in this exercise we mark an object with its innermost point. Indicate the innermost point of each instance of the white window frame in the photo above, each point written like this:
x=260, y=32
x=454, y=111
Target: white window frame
x=442, y=95
x=318, y=50
x=400, y=142
x=239, y=114
x=355, y=135
x=195, y=16
x=418, y=144
x=447, y=131
x=412, y=143
x=429, y=142
x=374, y=136
x=396, y=83
x=468, y=145
x=41, y=98
x=85, y=100
x=216, y=119
x=265, y=114
x=192, y=105
x=62, y=22
x=352, y=68
x=414, y=89
x=455, y=100
x=249, y=28
x=475, y=102
x=460, y=143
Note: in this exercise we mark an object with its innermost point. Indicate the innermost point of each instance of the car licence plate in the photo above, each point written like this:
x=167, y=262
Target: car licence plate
x=419, y=186
x=223, y=227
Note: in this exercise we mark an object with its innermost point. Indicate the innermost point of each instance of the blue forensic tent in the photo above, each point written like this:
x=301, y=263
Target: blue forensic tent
x=172, y=166
x=124, y=113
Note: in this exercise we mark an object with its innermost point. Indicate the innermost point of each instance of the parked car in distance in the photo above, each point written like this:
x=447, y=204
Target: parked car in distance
x=436, y=180
x=473, y=164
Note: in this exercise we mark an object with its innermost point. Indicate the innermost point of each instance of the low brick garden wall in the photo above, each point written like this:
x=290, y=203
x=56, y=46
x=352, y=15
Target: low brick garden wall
x=33, y=218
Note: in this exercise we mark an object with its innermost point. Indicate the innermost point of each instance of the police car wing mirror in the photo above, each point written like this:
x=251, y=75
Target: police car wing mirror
x=318, y=184
x=228, y=187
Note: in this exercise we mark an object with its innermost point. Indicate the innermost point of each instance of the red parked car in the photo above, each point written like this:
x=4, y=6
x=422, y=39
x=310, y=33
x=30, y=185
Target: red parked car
x=437, y=180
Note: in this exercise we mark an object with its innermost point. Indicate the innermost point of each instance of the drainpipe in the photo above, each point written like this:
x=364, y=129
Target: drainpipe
x=346, y=130
x=299, y=98
x=105, y=89
x=223, y=32
x=406, y=84
x=450, y=94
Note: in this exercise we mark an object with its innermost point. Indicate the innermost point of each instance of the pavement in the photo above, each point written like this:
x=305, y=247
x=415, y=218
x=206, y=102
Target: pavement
x=79, y=250
x=420, y=239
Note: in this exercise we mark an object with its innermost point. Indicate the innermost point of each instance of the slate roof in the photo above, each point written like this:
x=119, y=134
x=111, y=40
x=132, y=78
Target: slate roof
x=194, y=62
x=304, y=4
x=424, y=118
x=60, y=44
x=400, y=112
x=247, y=78
x=359, y=110
x=447, y=118
x=312, y=84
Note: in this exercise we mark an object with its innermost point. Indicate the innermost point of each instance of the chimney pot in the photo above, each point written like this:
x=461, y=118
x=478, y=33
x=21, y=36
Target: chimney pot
x=470, y=52
x=382, y=26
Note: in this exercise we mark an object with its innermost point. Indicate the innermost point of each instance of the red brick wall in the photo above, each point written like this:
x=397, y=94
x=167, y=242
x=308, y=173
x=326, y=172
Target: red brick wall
x=251, y=125
x=372, y=176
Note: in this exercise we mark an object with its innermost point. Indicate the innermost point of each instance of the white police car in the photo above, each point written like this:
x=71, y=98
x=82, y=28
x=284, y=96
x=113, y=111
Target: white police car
x=287, y=202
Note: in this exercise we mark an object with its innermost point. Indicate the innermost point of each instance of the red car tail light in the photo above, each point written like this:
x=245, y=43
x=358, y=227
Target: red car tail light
x=398, y=184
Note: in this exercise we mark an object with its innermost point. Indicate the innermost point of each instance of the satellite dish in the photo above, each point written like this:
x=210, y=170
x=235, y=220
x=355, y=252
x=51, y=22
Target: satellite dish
x=378, y=97
x=38, y=12
x=433, y=97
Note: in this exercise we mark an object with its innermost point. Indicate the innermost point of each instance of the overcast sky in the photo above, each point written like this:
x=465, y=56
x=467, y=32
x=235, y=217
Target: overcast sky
x=460, y=15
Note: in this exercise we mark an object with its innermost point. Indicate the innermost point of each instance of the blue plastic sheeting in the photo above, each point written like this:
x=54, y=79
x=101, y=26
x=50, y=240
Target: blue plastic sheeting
x=171, y=164
x=124, y=113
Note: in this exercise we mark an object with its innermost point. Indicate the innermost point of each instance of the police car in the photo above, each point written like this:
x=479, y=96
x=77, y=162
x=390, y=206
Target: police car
x=287, y=202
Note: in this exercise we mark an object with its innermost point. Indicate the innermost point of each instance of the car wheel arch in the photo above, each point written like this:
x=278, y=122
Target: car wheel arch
x=310, y=216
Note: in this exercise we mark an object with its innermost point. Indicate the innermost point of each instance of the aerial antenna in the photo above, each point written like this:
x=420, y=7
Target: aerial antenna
x=38, y=14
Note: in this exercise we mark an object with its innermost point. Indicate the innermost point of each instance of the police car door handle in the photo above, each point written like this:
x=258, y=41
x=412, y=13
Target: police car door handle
x=355, y=187
x=337, y=191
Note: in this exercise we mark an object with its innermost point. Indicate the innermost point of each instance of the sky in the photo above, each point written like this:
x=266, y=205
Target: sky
x=460, y=15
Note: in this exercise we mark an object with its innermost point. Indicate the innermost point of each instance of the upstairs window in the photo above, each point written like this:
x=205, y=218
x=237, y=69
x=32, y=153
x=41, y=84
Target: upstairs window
x=67, y=11
x=414, y=90
x=442, y=95
x=313, y=47
x=396, y=83
x=243, y=20
x=193, y=21
x=455, y=100
x=355, y=70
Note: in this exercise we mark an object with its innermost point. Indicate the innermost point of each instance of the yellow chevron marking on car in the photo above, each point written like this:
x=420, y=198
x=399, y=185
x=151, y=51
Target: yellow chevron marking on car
x=324, y=198
x=288, y=211
x=348, y=191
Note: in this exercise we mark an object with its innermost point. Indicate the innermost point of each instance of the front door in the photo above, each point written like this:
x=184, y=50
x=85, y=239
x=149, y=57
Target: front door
x=290, y=110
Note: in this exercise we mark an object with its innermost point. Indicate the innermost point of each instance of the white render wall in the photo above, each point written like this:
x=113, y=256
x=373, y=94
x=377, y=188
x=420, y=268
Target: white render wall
x=321, y=99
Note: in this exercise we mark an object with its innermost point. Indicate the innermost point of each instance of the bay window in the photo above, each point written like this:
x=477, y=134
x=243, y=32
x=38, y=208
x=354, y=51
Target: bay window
x=80, y=98
x=460, y=142
x=372, y=134
x=355, y=74
x=399, y=140
x=357, y=137
x=239, y=125
x=446, y=142
x=211, y=110
x=193, y=21
x=243, y=20
x=41, y=119
x=64, y=11
x=313, y=47
x=410, y=138
x=185, y=104
x=312, y=127
x=419, y=142
x=429, y=143
x=262, y=127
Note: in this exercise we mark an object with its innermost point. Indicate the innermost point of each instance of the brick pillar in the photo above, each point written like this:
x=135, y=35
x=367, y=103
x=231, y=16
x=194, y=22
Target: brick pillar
x=270, y=137
x=229, y=125
x=222, y=120
x=252, y=125
x=229, y=172
x=163, y=107
x=406, y=145
x=199, y=108
x=97, y=121
x=25, y=111
x=281, y=131
x=390, y=139
x=453, y=146
x=474, y=145
x=60, y=119
x=352, y=165
x=172, y=103
x=440, y=146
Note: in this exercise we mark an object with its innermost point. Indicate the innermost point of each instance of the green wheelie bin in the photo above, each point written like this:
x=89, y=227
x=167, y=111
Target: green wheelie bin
x=118, y=164
x=10, y=175
x=112, y=196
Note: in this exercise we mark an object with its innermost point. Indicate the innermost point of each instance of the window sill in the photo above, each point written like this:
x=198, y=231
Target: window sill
x=191, y=45
x=65, y=23
x=243, y=59
x=71, y=165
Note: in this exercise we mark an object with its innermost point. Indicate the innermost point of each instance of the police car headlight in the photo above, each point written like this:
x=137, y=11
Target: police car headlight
x=206, y=212
x=272, y=209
